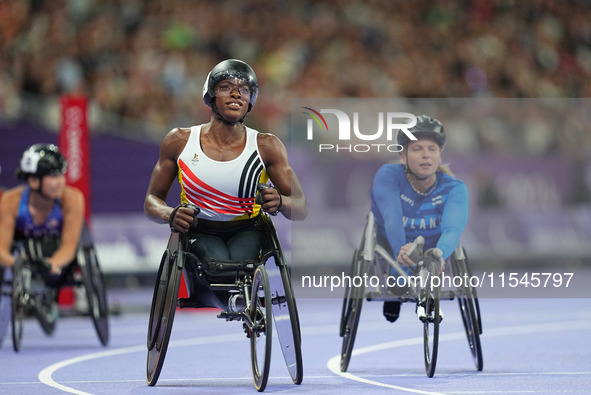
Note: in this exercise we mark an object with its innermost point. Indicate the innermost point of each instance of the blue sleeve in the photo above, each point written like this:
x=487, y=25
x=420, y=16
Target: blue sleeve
x=454, y=219
x=386, y=205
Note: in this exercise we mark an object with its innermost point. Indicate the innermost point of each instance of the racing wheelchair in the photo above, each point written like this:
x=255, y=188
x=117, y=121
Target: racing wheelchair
x=372, y=259
x=250, y=292
x=30, y=294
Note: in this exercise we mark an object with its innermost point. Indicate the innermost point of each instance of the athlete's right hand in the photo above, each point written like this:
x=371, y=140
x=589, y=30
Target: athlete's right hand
x=183, y=217
x=411, y=253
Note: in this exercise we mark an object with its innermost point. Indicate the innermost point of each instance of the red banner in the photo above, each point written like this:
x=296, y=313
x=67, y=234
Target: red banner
x=73, y=141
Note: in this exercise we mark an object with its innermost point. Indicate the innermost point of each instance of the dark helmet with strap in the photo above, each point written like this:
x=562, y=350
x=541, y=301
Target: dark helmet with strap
x=42, y=160
x=230, y=68
x=426, y=127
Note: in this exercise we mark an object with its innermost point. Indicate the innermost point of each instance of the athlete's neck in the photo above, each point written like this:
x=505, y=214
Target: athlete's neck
x=421, y=185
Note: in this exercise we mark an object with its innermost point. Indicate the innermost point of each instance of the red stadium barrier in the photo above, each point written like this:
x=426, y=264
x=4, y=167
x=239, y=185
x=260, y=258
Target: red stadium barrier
x=73, y=141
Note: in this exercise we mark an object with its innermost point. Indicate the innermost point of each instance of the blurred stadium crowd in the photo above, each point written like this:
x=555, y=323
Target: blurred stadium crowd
x=143, y=62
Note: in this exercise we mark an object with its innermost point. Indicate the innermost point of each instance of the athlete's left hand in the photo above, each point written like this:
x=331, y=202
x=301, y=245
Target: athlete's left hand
x=269, y=198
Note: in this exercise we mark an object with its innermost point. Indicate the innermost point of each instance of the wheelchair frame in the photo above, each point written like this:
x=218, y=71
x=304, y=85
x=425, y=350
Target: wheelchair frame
x=26, y=289
x=264, y=285
x=365, y=262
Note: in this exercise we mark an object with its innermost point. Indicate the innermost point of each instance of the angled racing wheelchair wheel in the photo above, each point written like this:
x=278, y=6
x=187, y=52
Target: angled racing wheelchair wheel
x=19, y=304
x=470, y=312
x=261, y=333
x=46, y=310
x=285, y=315
x=351, y=316
x=5, y=302
x=96, y=294
x=164, y=303
x=347, y=297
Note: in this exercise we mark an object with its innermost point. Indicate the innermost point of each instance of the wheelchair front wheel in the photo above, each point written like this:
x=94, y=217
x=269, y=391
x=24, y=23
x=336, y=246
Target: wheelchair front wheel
x=96, y=294
x=431, y=331
x=261, y=332
x=162, y=312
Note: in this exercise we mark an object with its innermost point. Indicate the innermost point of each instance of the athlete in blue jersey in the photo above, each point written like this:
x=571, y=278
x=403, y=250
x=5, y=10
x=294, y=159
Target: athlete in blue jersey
x=418, y=197
x=44, y=209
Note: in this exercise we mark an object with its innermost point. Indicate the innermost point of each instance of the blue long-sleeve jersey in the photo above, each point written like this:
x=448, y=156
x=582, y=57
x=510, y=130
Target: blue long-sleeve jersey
x=401, y=214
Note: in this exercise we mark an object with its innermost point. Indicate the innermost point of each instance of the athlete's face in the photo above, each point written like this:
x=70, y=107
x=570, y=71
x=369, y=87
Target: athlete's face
x=232, y=98
x=52, y=187
x=423, y=157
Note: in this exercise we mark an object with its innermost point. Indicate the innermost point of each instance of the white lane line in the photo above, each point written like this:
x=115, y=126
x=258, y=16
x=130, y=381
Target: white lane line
x=46, y=375
x=334, y=363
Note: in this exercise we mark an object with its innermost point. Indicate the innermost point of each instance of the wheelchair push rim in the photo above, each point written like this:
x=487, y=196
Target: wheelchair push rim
x=261, y=331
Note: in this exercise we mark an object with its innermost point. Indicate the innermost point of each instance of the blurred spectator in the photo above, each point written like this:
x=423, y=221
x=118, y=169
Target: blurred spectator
x=141, y=60
x=487, y=193
x=580, y=194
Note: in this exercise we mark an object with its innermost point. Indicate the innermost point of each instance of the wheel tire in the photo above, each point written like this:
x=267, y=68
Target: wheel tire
x=96, y=294
x=431, y=332
x=18, y=306
x=261, y=338
x=162, y=312
x=353, y=312
x=470, y=312
x=471, y=327
x=47, y=315
x=285, y=316
x=5, y=303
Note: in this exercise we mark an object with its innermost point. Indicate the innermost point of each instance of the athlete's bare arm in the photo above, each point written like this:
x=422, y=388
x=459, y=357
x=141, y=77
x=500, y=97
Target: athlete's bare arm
x=163, y=176
x=283, y=177
x=8, y=212
x=73, y=212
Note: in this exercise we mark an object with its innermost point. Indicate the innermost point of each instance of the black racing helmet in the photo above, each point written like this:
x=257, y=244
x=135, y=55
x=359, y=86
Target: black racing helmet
x=230, y=68
x=41, y=160
x=425, y=127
